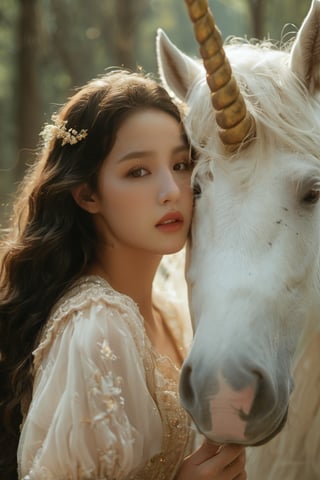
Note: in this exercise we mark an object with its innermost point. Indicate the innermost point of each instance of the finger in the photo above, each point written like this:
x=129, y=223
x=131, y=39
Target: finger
x=228, y=462
x=241, y=476
x=205, y=452
x=236, y=469
x=230, y=453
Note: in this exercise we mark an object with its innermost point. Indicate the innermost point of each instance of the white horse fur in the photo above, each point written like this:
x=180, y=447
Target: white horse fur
x=253, y=268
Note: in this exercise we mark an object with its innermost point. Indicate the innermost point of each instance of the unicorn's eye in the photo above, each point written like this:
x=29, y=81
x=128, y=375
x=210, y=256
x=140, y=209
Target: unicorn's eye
x=311, y=197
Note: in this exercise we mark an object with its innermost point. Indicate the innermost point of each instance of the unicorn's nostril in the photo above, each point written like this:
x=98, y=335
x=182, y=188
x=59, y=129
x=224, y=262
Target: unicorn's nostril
x=265, y=396
x=186, y=390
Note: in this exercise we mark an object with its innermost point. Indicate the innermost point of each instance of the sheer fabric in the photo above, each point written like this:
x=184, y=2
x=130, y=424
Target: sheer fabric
x=105, y=403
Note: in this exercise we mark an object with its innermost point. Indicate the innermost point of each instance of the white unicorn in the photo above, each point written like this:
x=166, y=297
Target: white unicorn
x=253, y=267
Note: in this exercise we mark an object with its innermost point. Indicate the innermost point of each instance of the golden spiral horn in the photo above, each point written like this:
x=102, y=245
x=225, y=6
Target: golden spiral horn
x=236, y=123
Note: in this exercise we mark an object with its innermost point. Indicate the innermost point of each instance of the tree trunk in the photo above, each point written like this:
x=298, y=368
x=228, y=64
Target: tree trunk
x=257, y=12
x=68, y=42
x=124, y=39
x=127, y=16
x=28, y=89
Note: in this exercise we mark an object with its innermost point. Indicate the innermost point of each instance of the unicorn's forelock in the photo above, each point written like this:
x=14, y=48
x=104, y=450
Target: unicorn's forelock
x=284, y=111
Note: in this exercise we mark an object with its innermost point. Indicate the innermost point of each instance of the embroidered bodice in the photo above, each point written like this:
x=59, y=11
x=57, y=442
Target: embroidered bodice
x=105, y=404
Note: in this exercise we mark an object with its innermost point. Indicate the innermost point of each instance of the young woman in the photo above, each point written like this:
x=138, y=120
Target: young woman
x=90, y=354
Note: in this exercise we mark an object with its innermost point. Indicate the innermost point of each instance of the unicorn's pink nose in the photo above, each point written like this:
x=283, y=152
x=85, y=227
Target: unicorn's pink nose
x=229, y=409
x=242, y=408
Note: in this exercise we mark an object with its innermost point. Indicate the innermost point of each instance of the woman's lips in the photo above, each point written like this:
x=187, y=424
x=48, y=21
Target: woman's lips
x=171, y=222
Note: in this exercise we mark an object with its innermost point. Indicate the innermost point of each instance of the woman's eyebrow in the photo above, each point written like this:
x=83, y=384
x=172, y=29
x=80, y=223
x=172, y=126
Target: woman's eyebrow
x=135, y=154
x=183, y=146
x=147, y=153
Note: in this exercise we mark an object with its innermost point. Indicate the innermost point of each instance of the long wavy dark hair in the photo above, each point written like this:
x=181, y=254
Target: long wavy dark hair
x=51, y=239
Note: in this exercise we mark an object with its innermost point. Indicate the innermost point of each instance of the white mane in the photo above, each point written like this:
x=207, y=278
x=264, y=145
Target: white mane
x=284, y=111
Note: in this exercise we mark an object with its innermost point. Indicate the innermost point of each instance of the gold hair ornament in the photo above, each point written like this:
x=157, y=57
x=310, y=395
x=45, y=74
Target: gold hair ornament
x=59, y=130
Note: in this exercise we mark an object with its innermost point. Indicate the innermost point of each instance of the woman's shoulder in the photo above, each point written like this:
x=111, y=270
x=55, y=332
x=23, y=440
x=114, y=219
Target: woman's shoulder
x=91, y=290
x=88, y=303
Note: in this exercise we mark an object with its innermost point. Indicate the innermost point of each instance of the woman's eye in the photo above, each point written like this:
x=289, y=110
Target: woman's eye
x=138, y=172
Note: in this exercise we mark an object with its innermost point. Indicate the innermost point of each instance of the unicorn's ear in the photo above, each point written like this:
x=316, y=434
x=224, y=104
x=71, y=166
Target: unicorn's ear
x=177, y=71
x=305, y=53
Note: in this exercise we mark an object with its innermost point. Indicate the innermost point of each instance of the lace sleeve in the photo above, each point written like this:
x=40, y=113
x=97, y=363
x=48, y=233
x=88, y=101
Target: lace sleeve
x=91, y=410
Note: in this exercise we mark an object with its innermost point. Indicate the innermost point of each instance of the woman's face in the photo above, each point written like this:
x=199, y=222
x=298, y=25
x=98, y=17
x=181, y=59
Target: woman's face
x=144, y=198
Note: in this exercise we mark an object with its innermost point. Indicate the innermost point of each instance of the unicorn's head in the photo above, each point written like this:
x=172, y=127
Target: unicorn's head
x=253, y=260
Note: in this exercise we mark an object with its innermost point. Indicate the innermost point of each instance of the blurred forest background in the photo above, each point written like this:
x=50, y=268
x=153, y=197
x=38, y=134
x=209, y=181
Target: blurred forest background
x=48, y=47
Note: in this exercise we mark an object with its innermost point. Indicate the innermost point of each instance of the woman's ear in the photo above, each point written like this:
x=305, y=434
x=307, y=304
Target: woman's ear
x=85, y=198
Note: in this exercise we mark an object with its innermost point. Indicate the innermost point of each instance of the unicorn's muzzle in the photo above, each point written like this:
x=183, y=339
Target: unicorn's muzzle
x=242, y=407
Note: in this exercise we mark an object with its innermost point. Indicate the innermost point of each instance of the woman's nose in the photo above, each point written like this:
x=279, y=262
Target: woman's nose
x=169, y=190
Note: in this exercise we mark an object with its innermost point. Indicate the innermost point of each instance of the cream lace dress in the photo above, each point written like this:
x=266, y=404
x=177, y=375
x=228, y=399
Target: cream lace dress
x=105, y=403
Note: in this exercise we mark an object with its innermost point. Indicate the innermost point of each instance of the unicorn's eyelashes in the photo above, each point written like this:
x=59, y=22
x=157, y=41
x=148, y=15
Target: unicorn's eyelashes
x=308, y=190
x=196, y=190
x=311, y=197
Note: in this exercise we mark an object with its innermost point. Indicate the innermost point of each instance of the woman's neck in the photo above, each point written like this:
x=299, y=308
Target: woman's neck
x=129, y=273
x=133, y=275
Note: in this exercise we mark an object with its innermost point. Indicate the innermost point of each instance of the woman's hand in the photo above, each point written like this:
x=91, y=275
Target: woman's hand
x=211, y=462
